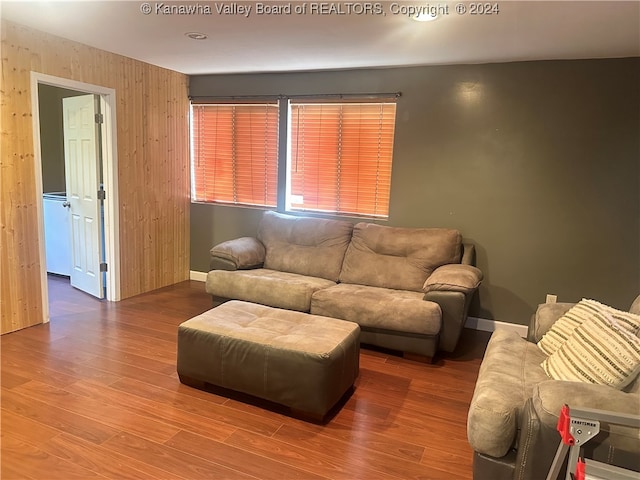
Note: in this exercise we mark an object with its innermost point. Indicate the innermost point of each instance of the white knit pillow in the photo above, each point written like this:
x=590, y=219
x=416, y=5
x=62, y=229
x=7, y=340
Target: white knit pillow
x=562, y=329
x=599, y=351
x=581, y=312
x=626, y=320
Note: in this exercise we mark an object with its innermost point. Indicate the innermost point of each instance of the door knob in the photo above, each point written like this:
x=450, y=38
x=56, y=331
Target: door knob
x=66, y=204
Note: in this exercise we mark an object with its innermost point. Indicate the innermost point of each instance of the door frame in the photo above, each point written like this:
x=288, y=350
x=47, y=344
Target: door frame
x=109, y=179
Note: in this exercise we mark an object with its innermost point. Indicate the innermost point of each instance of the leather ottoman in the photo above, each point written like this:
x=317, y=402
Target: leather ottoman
x=302, y=361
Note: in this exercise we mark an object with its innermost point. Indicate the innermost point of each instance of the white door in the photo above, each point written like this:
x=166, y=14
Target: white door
x=81, y=174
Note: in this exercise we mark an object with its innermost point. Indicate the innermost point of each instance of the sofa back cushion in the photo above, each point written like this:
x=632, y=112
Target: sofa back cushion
x=635, y=306
x=303, y=245
x=634, y=387
x=398, y=258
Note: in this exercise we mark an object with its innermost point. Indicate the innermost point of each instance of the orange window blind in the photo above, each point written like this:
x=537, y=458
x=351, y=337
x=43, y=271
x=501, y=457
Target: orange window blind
x=235, y=153
x=341, y=155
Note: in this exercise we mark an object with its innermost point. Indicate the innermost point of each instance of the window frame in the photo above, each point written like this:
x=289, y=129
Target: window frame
x=343, y=159
x=238, y=165
x=283, y=178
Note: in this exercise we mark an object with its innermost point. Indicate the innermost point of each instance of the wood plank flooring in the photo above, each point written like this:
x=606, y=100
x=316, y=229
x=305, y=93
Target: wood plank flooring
x=95, y=394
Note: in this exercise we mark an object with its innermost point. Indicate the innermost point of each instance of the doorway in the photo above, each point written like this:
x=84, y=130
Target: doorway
x=106, y=174
x=71, y=163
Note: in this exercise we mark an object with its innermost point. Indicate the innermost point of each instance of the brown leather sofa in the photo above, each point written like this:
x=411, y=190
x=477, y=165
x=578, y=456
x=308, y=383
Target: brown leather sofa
x=409, y=289
x=512, y=422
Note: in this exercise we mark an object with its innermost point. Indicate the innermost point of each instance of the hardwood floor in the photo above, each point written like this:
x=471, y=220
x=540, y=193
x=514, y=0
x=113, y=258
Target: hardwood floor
x=95, y=394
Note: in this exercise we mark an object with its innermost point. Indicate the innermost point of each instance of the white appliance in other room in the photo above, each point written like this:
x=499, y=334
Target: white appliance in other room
x=56, y=233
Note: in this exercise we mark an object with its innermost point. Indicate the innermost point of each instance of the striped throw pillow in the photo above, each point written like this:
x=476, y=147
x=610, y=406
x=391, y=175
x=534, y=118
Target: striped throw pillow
x=562, y=329
x=599, y=351
x=626, y=320
x=581, y=312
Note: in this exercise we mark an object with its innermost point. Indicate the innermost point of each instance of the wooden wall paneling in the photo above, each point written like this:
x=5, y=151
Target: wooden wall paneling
x=160, y=137
x=18, y=246
x=152, y=105
x=177, y=113
x=151, y=167
x=181, y=184
x=156, y=168
x=131, y=222
x=163, y=111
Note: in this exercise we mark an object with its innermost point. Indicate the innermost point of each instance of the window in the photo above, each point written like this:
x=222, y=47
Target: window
x=340, y=157
x=235, y=153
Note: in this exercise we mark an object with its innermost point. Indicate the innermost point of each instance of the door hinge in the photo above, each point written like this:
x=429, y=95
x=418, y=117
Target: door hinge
x=99, y=118
x=103, y=267
x=102, y=195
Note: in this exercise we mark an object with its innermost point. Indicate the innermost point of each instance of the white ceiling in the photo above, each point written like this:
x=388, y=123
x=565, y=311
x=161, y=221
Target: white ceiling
x=533, y=30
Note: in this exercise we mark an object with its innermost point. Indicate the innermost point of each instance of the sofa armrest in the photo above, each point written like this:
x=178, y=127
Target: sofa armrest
x=539, y=439
x=454, y=278
x=240, y=253
x=545, y=316
x=454, y=306
x=452, y=287
x=549, y=397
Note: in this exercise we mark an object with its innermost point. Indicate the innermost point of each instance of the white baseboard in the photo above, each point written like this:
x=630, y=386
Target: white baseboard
x=472, y=322
x=198, y=276
x=492, y=325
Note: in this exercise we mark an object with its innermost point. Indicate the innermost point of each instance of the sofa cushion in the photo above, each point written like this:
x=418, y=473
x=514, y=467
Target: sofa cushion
x=628, y=321
x=635, y=306
x=563, y=328
x=304, y=245
x=599, y=351
x=379, y=308
x=398, y=258
x=267, y=287
x=242, y=253
x=509, y=371
x=454, y=278
x=547, y=314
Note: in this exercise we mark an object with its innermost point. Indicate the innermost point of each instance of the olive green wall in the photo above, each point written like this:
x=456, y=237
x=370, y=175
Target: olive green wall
x=536, y=163
x=52, y=135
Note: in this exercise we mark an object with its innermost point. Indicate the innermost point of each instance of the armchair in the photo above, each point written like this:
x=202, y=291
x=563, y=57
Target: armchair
x=513, y=415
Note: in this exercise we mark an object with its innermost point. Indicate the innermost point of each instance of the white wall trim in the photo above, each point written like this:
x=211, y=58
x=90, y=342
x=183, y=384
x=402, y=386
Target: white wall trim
x=487, y=325
x=472, y=322
x=197, y=276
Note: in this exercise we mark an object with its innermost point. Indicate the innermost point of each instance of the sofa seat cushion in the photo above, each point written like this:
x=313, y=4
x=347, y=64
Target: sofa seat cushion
x=302, y=245
x=267, y=287
x=398, y=258
x=509, y=372
x=379, y=308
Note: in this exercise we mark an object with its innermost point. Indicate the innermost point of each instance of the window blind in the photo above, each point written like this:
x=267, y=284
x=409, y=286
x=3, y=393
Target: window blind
x=341, y=157
x=235, y=153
